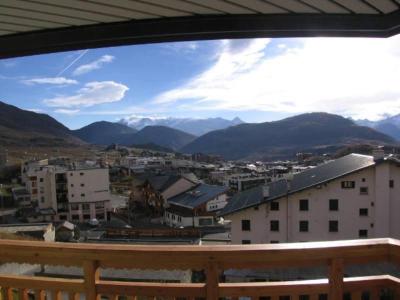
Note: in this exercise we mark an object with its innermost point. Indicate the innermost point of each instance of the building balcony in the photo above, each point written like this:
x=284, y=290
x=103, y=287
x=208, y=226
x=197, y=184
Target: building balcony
x=93, y=258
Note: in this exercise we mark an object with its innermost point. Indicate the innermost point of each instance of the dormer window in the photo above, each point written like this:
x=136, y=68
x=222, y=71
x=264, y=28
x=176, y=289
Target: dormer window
x=348, y=184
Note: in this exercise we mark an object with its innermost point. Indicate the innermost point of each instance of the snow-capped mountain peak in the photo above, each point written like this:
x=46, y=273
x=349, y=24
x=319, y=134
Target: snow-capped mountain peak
x=190, y=125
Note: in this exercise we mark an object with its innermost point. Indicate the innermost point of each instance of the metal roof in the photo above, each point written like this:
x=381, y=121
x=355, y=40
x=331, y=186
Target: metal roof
x=162, y=182
x=40, y=26
x=198, y=195
x=310, y=178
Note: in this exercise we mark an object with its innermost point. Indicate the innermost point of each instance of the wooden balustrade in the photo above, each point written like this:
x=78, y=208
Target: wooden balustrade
x=212, y=259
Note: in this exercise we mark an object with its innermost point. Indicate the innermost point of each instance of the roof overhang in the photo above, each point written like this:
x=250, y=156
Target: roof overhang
x=43, y=26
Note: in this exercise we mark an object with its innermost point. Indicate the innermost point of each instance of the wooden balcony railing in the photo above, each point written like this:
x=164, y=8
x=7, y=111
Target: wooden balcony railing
x=213, y=259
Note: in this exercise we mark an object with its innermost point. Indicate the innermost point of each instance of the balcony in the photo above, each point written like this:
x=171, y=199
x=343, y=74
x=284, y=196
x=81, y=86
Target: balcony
x=212, y=259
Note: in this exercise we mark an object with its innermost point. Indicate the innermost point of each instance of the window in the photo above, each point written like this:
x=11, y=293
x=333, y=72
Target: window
x=100, y=216
x=363, y=233
x=348, y=184
x=72, y=195
x=363, y=179
x=274, y=205
x=363, y=211
x=303, y=226
x=245, y=225
x=86, y=216
x=246, y=242
x=274, y=242
x=85, y=206
x=363, y=191
x=274, y=225
x=83, y=195
x=71, y=174
x=333, y=226
x=74, y=206
x=391, y=183
x=303, y=205
x=99, y=205
x=72, y=185
x=333, y=204
x=81, y=174
x=82, y=184
x=42, y=199
x=63, y=217
x=75, y=217
x=41, y=179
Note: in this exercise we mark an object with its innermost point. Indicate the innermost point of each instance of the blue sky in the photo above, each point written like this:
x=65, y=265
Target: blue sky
x=254, y=79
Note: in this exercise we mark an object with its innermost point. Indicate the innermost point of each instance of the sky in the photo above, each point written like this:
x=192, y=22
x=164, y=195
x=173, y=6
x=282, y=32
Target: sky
x=255, y=79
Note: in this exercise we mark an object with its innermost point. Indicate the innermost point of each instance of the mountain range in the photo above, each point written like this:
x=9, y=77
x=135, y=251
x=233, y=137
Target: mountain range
x=279, y=139
x=23, y=128
x=190, y=125
x=389, y=126
x=268, y=140
x=105, y=133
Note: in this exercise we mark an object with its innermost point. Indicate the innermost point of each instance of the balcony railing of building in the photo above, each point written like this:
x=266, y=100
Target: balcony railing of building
x=212, y=259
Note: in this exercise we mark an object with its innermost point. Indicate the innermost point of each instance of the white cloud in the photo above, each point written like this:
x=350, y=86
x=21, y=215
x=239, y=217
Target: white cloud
x=92, y=93
x=35, y=110
x=352, y=77
x=94, y=65
x=67, y=111
x=49, y=80
x=181, y=46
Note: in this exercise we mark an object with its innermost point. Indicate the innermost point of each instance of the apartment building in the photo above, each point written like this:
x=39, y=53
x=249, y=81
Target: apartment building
x=64, y=191
x=245, y=181
x=356, y=196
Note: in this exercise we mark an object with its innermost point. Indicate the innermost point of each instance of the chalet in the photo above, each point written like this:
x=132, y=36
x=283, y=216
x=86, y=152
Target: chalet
x=157, y=189
x=196, y=207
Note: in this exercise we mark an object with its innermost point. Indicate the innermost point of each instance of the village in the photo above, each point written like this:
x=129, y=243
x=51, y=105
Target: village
x=141, y=196
x=131, y=195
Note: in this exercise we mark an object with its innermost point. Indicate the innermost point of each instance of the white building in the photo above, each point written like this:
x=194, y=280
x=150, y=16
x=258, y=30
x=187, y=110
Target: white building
x=352, y=197
x=139, y=164
x=71, y=192
x=244, y=181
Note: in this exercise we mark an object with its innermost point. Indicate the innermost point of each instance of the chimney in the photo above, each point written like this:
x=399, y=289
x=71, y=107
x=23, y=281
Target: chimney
x=265, y=191
x=378, y=153
x=289, y=179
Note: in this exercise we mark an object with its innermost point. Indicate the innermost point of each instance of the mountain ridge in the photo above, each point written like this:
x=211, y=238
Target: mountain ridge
x=106, y=133
x=193, y=126
x=102, y=132
x=389, y=125
x=284, y=137
x=19, y=127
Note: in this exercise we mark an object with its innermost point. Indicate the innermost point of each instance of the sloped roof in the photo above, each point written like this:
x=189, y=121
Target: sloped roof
x=198, y=195
x=161, y=182
x=306, y=179
x=331, y=170
x=41, y=26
